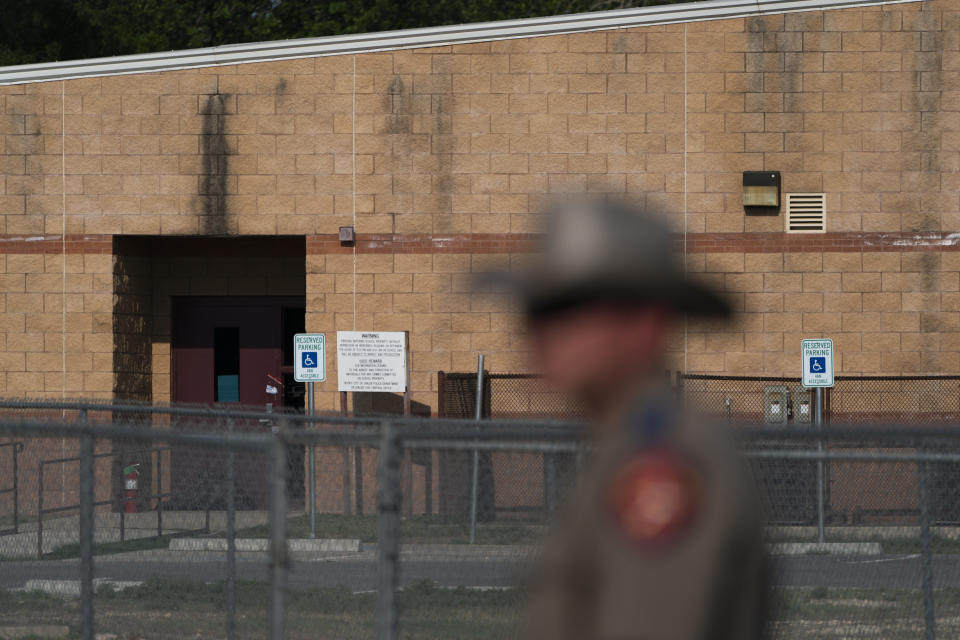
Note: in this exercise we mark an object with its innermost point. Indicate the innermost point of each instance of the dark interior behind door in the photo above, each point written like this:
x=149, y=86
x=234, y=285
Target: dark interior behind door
x=224, y=352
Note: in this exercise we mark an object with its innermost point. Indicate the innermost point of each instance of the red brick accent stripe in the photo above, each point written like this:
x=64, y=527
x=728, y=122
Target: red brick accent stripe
x=766, y=242
x=845, y=241
x=75, y=244
x=427, y=243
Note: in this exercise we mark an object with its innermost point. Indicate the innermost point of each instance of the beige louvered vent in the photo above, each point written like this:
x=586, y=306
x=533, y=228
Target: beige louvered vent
x=806, y=212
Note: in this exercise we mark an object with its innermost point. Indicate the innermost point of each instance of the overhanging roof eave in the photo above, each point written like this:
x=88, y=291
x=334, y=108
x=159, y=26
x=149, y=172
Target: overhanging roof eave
x=415, y=38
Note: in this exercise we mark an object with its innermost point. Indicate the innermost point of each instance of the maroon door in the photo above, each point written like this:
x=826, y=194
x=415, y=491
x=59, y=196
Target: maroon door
x=226, y=351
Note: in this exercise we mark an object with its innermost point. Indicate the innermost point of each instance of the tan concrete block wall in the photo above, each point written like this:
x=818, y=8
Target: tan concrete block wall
x=448, y=324
x=886, y=312
x=859, y=103
x=54, y=319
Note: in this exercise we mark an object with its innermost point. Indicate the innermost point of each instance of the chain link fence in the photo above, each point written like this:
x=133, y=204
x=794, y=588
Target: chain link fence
x=736, y=399
x=213, y=538
x=522, y=487
x=852, y=400
x=165, y=522
x=887, y=572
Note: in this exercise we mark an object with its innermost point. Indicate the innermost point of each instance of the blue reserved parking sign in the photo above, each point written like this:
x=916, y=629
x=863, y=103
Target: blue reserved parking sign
x=817, y=358
x=818, y=365
x=309, y=361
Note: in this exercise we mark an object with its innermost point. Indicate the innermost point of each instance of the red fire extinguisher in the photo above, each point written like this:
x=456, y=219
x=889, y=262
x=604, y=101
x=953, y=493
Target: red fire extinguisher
x=131, y=483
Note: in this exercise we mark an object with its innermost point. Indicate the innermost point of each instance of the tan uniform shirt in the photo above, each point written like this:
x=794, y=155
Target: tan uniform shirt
x=706, y=581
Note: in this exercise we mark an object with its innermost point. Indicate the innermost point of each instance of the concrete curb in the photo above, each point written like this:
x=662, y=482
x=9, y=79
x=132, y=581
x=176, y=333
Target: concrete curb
x=464, y=551
x=34, y=631
x=827, y=548
x=71, y=588
x=860, y=533
x=263, y=544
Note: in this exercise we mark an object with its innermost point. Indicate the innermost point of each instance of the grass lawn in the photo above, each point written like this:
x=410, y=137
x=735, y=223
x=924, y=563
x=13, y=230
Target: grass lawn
x=72, y=550
x=433, y=530
x=164, y=608
x=189, y=609
x=834, y=613
x=938, y=544
x=419, y=529
x=6, y=521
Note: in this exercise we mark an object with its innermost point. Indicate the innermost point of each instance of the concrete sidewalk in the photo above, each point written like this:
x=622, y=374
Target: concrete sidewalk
x=263, y=544
x=58, y=532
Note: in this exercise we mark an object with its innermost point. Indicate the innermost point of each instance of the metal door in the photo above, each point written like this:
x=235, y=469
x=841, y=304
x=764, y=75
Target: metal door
x=228, y=352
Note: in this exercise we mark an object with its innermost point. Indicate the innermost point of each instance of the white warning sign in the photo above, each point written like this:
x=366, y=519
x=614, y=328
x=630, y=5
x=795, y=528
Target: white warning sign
x=371, y=361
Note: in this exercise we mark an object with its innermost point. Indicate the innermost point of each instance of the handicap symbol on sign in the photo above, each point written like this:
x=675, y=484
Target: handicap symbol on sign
x=818, y=365
x=309, y=359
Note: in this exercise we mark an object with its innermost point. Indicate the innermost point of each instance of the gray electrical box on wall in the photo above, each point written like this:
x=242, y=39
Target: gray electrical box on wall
x=802, y=405
x=776, y=404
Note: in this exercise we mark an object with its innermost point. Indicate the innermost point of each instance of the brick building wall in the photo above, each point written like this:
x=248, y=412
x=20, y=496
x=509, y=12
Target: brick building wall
x=442, y=156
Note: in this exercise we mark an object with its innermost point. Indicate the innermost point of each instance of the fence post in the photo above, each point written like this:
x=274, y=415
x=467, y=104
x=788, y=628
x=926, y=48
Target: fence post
x=231, y=541
x=17, y=450
x=926, y=553
x=40, y=511
x=346, y=468
x=387, y=540
x=475, y=478
x=86, y=531
x=159, y=492
x=357, y=479
x=278, y=534
x=312, y=465
x=441, y=394
x=818, y=420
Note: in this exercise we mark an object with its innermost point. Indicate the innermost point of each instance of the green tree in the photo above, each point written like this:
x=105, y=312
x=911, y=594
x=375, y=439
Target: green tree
x=48, y=30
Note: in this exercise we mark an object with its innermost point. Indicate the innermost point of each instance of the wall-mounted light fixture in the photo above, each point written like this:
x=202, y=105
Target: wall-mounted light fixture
x=761, y=193
x=347, y=237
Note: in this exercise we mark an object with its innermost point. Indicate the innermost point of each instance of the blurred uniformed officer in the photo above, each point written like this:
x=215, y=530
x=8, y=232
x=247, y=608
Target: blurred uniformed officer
x=660, y=538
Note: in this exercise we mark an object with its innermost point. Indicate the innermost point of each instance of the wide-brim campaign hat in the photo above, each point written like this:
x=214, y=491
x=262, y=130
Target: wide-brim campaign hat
x=605, y=250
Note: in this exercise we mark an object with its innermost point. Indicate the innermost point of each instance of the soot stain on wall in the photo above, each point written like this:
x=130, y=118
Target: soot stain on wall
x=924, y=100
x=397, y=103
x=216, y=165
x=443, y=147
x=755, y=59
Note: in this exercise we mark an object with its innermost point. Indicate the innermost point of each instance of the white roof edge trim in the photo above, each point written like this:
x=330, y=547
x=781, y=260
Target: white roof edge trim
x=415, y=38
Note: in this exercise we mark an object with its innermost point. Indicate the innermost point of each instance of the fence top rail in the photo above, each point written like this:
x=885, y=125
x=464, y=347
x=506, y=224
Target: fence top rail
x=839, y=378
x=102, y=454
x=417, y=438
x=288, y=418
x=893, y=378
x=509, y=433
x=52, y=429
x=71, y=507
x=182, y=410
x=16, y=444
x=472, y=375
x=49, y=429
x=896, y=432
x=851, y=456
x=706, y=376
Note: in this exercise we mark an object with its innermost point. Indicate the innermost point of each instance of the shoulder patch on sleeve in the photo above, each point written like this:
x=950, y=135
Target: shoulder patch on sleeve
x=655, y=497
